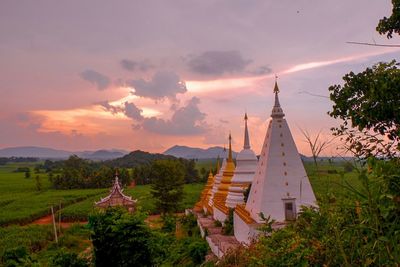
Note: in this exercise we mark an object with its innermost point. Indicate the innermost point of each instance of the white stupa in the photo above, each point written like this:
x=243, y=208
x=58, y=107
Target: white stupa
x=217, y=179
x=280, y=186
x=246, y=164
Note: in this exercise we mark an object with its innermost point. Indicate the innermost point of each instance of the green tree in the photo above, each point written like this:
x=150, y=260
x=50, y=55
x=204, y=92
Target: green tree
x=391, y=25
x=168, y=181
x=369, y=105
x=28, y=174
x=121, y=239
x=38, y=183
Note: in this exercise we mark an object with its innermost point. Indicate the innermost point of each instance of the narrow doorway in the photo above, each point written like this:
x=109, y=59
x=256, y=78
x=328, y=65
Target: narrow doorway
x=290, y=209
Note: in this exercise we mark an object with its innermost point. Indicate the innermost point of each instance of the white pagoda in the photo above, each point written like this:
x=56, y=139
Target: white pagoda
x=246, y=164
x=280, y=186
x=217, y=179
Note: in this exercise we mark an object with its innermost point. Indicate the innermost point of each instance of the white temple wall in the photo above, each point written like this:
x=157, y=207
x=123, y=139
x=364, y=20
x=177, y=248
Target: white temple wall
x=219, y=215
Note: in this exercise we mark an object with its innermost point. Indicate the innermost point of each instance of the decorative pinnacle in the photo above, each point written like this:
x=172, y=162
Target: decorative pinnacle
x=246, y=144
x=230, y=148
x=218, y=164
x=277, y=111
x=276, y=88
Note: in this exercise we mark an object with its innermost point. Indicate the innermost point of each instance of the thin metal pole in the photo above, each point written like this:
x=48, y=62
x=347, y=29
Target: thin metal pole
x=54, y=224
x=59, y=218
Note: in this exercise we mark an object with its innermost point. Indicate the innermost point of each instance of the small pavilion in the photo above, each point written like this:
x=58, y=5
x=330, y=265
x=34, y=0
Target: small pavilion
x=117, y=198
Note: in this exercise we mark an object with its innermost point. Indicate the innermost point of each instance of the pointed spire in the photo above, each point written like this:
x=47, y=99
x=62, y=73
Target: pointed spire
x=276, y=91
x=277, y=111
x=246, y=134
x=230, y=148
x=218, y=167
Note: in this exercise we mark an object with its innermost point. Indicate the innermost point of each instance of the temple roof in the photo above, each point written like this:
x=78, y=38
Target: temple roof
x=116, y=192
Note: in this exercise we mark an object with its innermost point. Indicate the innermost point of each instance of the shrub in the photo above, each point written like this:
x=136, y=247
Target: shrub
x=64, y=258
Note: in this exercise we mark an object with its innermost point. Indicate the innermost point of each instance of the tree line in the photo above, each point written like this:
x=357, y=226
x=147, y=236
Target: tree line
x=76, y=172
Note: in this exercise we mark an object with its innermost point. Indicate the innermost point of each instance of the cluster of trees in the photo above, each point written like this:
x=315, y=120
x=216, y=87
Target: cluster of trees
x=79, y=173
x=4, y=160
x=123, y=239
x=144, y=174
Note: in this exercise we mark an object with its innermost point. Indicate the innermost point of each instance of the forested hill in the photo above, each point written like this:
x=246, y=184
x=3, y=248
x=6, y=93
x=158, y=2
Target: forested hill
x=136, y=158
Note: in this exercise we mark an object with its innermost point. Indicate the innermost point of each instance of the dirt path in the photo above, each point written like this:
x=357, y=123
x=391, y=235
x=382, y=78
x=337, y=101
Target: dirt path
x=48, y=220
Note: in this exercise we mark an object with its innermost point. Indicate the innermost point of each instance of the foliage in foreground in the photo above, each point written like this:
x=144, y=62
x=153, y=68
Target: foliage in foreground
x=123, y=239
x=343, y=232
x=369, y=105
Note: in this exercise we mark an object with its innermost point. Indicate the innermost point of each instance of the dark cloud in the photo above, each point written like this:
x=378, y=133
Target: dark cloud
x=133, y=112
x=131, y=65
x=187, y=120
x=163, y=84
x=107, y=106
x=262, y=70
x=101, y=81
x=218, y=63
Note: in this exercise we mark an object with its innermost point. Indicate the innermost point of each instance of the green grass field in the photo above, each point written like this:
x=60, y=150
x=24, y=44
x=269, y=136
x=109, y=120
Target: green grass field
x=21, y=203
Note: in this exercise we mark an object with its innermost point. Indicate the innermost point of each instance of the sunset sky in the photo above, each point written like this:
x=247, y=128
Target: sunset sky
x=86, y=75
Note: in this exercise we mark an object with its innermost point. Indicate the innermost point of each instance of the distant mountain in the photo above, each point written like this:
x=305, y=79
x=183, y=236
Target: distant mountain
x=101, y=154
x=136, y=158
x=196, y=153
x=32, y=151
x=50, y=153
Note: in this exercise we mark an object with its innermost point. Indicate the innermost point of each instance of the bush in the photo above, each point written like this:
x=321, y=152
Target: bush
x=64, y=258
x=120, y=238
x=228, y=224
x=18, y=256
x=169, y=223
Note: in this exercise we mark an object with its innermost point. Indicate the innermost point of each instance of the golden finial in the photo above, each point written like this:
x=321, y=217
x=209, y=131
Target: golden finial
x=218, y=164
x=230, y=148
x=276, y=88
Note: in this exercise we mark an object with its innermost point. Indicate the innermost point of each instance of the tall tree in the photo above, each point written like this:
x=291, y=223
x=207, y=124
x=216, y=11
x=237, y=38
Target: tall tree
x=369, y=103
x=120, y=239
x=167, y=188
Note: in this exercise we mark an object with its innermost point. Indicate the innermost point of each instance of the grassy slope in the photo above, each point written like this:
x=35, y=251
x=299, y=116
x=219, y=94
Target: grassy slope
x=20, y=202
